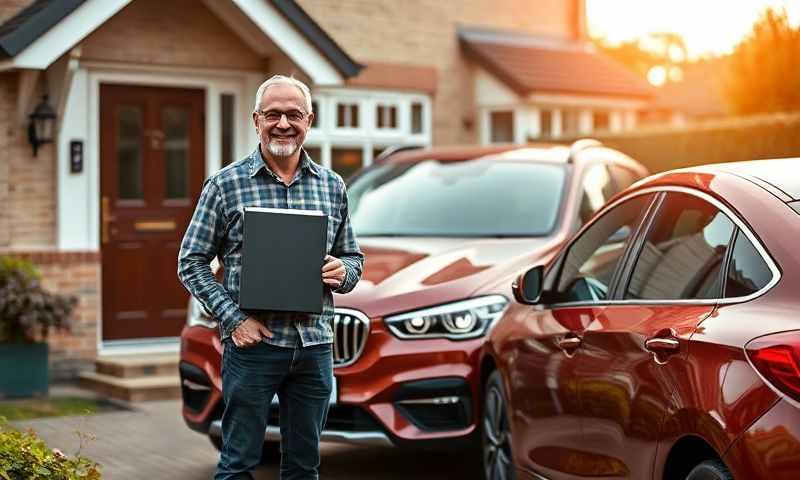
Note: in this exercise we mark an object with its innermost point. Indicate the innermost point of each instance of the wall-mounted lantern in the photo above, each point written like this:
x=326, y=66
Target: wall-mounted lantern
x=42, y=121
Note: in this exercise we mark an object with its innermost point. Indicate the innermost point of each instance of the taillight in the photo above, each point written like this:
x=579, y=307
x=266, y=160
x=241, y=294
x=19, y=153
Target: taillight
x=777, y=359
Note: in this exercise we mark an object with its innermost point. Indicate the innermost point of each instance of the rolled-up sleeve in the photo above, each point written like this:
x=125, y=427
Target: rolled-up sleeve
x=346, y=249
x=200, y=245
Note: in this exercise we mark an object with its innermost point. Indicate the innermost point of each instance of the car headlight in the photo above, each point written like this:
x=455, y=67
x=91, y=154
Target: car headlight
x=196, y=315
x=457, y=321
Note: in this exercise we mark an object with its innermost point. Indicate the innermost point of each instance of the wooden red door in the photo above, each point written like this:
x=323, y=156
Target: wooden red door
x=152, y=159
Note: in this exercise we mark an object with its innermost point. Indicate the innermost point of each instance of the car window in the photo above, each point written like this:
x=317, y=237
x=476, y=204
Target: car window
x=623, y=177
x=596, y=188
x=683, y=251
x=748, y=272
x=589, y=265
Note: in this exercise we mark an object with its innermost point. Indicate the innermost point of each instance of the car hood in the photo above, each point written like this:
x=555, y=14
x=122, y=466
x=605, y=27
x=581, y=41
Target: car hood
x=402, y=273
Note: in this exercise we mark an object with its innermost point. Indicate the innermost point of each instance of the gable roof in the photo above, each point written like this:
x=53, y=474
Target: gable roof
x=531, y=64
x=24, y=28
x=31, y=22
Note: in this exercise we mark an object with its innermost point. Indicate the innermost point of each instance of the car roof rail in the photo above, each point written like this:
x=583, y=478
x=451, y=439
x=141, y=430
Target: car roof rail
x=391, y=150
x=580, y=145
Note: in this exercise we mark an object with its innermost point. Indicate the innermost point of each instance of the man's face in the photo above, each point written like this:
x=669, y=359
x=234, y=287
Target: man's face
x=282, y=121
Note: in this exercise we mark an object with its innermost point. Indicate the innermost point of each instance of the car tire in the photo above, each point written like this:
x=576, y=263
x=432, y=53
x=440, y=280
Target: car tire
x=710, y=470
x=495, y=432
x=270, y=452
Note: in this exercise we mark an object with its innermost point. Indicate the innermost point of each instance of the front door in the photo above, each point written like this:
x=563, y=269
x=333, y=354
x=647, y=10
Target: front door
x=152, y=163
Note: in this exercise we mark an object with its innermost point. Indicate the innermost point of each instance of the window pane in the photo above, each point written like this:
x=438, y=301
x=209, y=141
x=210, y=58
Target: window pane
x=601, y=120
x=354, y=116
x=175, y=122
x=597, y=189
x=502, y=127
x=129, y=151
x=748, y=272
x=416, y=118
x=546, y=123
x=392, y=117
x=227, y=109
x=341, y=116
x=345, y=161
x=683, y=252
x=591, y=261
x=315, y=109
x=379, y=116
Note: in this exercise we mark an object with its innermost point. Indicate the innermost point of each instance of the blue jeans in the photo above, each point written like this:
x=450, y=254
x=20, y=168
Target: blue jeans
x=302, y=378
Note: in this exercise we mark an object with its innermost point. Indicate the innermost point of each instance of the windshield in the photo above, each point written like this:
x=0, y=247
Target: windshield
x=480, y=198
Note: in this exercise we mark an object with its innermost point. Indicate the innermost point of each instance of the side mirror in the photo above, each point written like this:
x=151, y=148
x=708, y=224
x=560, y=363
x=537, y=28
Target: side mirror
x=527, y=287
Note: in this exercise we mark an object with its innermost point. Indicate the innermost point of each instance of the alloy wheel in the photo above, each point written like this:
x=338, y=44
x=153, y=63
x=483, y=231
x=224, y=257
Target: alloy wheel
x=497, y=464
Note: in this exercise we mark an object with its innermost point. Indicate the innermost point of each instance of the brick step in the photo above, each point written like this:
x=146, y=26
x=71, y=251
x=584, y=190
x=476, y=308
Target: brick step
x=137, y=389
x=133, y=366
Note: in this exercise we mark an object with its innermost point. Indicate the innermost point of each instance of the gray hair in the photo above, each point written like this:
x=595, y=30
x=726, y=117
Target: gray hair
x=283, y=80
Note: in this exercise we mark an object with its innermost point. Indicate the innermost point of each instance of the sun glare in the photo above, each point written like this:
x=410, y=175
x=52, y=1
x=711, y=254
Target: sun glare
x=657, y=75
x=708, y=27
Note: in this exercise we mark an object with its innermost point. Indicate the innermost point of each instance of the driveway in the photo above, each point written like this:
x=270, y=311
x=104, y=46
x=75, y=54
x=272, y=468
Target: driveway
x=152, y=442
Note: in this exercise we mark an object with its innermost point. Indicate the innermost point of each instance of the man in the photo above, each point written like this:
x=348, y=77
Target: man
x=271, y=353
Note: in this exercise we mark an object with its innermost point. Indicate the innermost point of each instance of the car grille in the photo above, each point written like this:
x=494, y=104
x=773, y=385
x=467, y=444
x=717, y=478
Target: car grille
x=350, y=331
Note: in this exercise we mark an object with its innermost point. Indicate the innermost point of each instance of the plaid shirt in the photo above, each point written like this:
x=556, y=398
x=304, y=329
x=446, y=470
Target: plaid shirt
x=216, y=230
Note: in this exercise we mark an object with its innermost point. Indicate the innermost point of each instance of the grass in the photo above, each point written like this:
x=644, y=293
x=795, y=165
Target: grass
x=51, y=407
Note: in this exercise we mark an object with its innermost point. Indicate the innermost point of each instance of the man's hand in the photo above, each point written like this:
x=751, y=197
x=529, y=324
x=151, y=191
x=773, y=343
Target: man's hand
x=333, y=272
x=249, y=333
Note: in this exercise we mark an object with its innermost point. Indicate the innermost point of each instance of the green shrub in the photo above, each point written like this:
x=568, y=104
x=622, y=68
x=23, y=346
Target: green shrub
x=27, y=311
x=25, y=456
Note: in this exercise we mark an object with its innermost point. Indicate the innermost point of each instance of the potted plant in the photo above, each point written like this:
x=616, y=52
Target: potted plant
x=27, y=315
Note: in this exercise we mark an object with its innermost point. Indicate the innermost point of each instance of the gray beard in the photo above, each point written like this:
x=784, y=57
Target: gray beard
x=282, y=150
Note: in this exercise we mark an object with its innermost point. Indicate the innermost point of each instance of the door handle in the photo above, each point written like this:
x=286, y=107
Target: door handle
x=662, y=344
x=569, y=343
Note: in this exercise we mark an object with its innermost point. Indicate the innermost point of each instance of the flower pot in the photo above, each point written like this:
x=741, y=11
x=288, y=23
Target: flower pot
x=23, y=369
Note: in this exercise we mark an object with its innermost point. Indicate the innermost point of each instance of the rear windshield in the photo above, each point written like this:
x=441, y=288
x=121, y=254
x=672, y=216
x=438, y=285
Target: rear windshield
x=479, y=198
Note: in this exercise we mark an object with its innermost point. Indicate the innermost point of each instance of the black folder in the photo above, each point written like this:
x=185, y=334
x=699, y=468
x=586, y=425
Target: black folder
x=282, y=256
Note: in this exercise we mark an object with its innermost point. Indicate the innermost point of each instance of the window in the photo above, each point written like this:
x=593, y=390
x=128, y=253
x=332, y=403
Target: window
x=315, y=109
x=683, y=252
x=347, y=115
x=345, y=161
x=597, y=189
x=593, y=258
x=386, y=116
x=416, y=117
x=601, y=120
x=227, y=112
x=501, y=127
x=748, y=272
x=546, y=123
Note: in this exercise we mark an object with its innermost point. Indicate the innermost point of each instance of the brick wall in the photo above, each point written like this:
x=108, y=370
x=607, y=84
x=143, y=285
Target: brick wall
x=174, y=32
x=78, y=274
x=424, y=32
x=27, y=183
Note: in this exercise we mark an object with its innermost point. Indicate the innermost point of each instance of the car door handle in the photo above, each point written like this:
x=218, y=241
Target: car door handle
x=662, y=344
x=569, y=343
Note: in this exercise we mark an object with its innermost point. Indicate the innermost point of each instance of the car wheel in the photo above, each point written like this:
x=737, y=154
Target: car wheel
x=710, y=470
x=496, y=434
x=270, y=452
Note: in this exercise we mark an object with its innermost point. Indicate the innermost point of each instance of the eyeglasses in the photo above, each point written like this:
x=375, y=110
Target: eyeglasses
x=274, y=116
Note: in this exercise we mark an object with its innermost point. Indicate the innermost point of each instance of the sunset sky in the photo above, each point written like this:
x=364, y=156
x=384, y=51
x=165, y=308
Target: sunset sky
x=707, y=26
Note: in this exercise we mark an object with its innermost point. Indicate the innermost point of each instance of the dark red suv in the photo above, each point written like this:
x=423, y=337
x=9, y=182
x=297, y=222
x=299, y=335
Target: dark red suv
x=444, y=232
x=662, y=342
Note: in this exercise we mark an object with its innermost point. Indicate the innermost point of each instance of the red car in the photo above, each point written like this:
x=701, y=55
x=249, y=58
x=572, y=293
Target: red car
x=662, y=341
x=444, y=231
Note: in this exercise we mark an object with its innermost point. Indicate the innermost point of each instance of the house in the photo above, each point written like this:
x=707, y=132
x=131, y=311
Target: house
x=152, y=96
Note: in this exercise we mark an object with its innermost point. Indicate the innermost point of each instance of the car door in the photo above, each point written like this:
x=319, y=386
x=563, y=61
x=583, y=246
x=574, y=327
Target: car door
x=546, y=406
x=634, y=350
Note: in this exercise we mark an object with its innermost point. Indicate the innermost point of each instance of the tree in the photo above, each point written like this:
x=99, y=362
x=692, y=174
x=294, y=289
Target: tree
x=764, y=72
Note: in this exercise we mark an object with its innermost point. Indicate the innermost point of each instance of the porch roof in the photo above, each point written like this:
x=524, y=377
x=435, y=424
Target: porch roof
x=31, y=23
x=535, y=64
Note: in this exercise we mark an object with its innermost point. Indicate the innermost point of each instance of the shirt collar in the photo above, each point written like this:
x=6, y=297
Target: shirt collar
x=257, y=163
